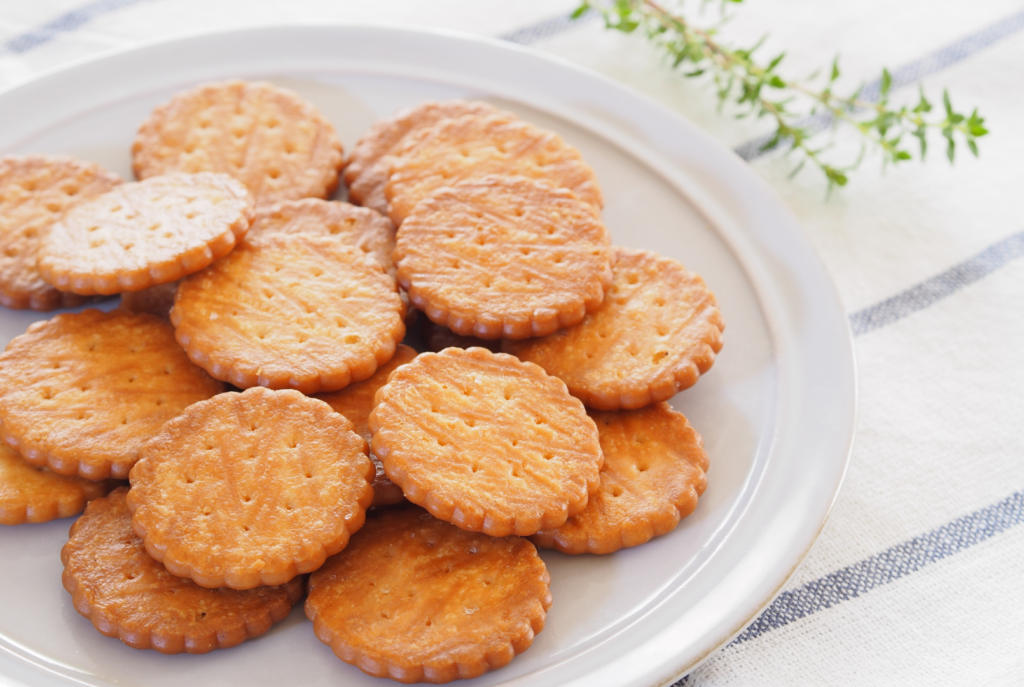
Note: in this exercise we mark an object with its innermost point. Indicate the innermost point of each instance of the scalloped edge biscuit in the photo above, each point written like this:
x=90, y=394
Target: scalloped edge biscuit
x=424, y=631
x=135, y=627
x=49, y=410
x=653, y=475
x=228, y=499
x=504, y=256
x=32, y=494
x=340, y=316
x=369, y=164
x=146, y=233
x=473, y=146
x=443, y=428
x=208, y=128
x=72, y=182
x=658, y=331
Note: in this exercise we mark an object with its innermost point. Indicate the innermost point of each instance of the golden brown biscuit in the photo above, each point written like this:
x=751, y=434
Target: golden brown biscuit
x=82, y=392
x=486, y=442
x=504, y=257
x=300, y=312
x=29, y=493
x=367, y=230
x=35, y=192
x=355, y=402
x=474, y=146
x=277, y=144
x=126, y=594
x=369, y=164
x=658, y=330
x=654, y=465
x=251, y=489
x=145, y=233
x=417, y=600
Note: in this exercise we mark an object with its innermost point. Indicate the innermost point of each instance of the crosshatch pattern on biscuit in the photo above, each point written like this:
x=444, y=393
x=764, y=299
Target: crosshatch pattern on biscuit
x=301, y=312
x=36, y=191
x=470, y=147
x=82, y=393
x=128, y=595
x=653, y=473
x=277, y=144
x=486, y=442
x=504, y=257
x=251, y=488
x=417, y=599
x=146, y=233
x=370, y=164
x=658, y=330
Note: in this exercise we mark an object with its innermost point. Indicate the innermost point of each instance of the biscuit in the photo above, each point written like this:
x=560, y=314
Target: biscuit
x=355, y=402
x=126, y=594
x=504, y=257
x=29, y=493
x=473, y=146
x=654, y=471
x=417, y=600
x=658, y=330
x=251, y=489
x=367, y=230
x=145, y=233
x=369, y=163
x=486, y=442
x=277, y=144
x=300, y=312
x=35, y=192
x=82, y=392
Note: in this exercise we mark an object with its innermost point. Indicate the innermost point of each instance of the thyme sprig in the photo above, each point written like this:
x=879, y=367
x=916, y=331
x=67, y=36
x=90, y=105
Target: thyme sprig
x=759, y=89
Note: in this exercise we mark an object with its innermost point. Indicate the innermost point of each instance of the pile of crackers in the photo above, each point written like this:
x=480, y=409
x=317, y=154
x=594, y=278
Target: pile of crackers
x=412, y=488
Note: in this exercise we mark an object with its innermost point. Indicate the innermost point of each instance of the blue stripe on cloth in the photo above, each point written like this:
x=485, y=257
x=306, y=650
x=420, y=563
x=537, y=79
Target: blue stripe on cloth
x=547, y=28
x=69, y=21
x=888, y=566
x=906, y=75
x=938, y=287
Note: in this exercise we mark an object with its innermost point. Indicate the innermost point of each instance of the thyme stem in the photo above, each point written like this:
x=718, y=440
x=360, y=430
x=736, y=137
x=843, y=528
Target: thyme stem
x=760, y=90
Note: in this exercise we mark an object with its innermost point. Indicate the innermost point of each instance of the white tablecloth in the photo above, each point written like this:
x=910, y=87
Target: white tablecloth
x=918, y=577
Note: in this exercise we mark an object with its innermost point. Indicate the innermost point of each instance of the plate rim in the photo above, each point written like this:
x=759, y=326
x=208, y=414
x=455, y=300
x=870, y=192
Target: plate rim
x=694, y=190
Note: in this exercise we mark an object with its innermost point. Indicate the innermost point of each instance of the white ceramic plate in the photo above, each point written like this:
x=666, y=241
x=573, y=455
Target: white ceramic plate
x=776, y=411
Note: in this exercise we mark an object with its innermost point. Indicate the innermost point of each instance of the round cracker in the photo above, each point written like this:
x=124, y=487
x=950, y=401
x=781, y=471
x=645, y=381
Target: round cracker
x=654, y=471
x=369, y=163
x=35, y=192
x=82, y=392
x=251, y=489
x=417, y=600
x=486, y=442
x=504, y=257
x=277, y=144
x=145, y=233
x=658, y=330
x=126, y=594
x=367, y=230
x=29, y=493
x=295, y=311
x=473, y=146
x=355, y=402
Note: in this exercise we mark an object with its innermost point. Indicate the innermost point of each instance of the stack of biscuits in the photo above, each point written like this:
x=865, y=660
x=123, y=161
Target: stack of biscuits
x=412, y=487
